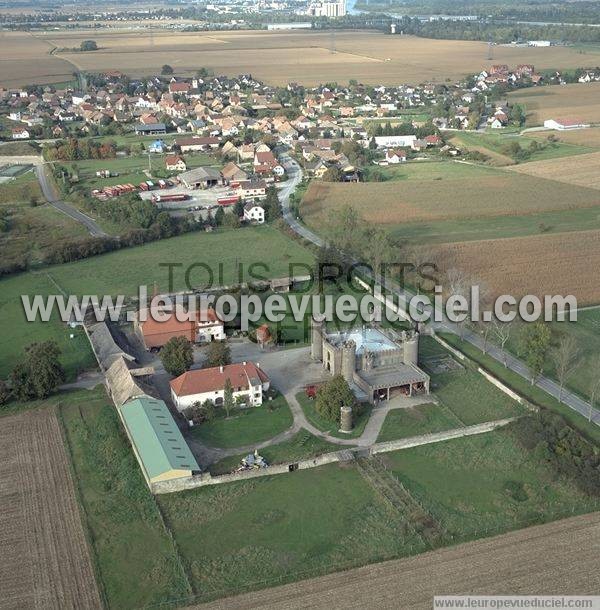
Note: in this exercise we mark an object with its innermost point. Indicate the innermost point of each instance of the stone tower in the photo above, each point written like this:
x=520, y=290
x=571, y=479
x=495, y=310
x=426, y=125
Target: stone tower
x=348, y=367
x=410, y=343
x=346, y=419
x=316, y=339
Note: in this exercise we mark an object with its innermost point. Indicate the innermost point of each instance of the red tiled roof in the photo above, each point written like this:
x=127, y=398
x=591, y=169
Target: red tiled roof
x=214, y=379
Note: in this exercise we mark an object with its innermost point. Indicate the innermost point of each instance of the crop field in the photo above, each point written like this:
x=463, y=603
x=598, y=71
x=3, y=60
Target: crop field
x=583, y=170
x=578, y=101
x=45, y=558
x=451, y=191
x=276, y=57
x=560, y=263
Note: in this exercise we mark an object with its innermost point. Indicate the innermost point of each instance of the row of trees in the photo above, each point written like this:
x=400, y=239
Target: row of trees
x=74, y=149
x=177, y=355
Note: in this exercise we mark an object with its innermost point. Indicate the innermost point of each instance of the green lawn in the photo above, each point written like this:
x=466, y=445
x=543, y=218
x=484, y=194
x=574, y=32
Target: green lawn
x=472, y=399
x=133, y=552
x=434, y=170
x=324, y=425
x=434, y=232
x=276, y=529
x=246, y=426
x=301, y=446
x=18, y=332
x=424, y=419
x=487, y=484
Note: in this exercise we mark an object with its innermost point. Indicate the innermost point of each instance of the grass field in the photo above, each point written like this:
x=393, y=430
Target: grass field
x=580, y=137
x=482, y=485
x=443, y=191
x=123, y=271
x=445, y=231
x=579, y=101
x=311, y=522
x=424, y=419
x=308, y=407
x=41, y=520
x=495, y=146
x=583, y=170
x=246, y=426
x=135, y=556
x=559, y=263
x=277, y=57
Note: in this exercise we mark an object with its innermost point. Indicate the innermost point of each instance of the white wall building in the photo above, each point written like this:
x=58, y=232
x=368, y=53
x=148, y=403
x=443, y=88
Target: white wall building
x=565, y=124
x=394, y=141
x=254, y=213
x=328, y=9
x=247, y=379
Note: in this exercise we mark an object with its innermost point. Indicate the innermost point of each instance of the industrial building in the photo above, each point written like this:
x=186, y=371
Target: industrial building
x=375, y=362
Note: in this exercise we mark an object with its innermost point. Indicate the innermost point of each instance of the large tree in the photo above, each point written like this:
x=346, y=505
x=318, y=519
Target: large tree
x=177, y=356
x=217, y=354
x=332, y=396
x=39, y=373
x=535, y=345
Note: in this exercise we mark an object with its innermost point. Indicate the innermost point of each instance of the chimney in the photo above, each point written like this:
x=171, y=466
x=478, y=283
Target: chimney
x=221, y=369
x=244, y=363
x=258, y=365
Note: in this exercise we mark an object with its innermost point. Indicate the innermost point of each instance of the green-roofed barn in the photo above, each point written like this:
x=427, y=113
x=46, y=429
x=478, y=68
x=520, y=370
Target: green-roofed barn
x=157, y=442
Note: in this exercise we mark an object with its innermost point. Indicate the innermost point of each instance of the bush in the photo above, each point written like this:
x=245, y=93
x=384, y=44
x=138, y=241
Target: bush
x=4, y=393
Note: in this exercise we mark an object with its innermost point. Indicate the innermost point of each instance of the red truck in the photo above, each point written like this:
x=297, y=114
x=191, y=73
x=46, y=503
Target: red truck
x=170, y=198
x=225, y=201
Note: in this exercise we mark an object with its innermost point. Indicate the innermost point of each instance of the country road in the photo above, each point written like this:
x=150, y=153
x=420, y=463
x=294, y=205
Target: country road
x=51, y=195
x=404, y=296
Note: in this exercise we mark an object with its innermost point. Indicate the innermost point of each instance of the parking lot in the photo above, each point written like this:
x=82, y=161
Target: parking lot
x=199, y=199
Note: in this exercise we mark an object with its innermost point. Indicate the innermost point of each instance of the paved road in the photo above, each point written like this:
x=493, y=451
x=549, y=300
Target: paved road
x=51, y=195
x=570, y=399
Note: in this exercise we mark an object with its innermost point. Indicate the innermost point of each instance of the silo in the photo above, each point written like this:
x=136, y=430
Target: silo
x=346, y=419
x=316, y=345
x=411, y=349
x=348, y=360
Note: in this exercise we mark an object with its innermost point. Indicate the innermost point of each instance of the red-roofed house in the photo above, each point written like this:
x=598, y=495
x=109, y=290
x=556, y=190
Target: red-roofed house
x=203, y=326
x=247, y=379
x=179, y=87
x=175, y=163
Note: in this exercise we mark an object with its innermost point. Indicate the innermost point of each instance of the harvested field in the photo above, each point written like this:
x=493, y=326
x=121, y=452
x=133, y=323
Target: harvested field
x=461, y=192
x=560, y=559
x=45, y=558
x=561, y=263
x=578, y=101
x=582, y=170
x=305, y=57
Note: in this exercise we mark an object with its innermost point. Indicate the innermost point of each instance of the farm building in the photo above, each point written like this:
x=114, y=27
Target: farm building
x=374, y=362
x=201, y=178
x=175, y=163
x=152, y=129
x=203, y=326
x=394, y=141
x=565, y=124
x=247, y=379
x=157, y=442
x=197, y=143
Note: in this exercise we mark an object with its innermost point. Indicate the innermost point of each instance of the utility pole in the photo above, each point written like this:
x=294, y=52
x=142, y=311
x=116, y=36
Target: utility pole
x=490, y=54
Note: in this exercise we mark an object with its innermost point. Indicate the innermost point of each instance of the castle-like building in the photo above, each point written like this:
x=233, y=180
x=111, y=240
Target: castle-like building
x=379, y=363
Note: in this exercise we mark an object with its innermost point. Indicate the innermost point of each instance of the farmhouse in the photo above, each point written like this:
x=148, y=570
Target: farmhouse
x=253, y=212
x=395, y=156
x=376, y=363
x=175, y=163
x=203, y=326
x=565, y=124
x=197, y=144
x=157, y=443
x=252, y=189
x=247, y=379
x=232, y=173
x=201, y=178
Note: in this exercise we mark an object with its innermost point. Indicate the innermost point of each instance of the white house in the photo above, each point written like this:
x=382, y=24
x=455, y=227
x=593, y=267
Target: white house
x=20, y=133
x=565, y=124
x=394, y=141
x=395, y=156
x=254, y=213
x=247, y=379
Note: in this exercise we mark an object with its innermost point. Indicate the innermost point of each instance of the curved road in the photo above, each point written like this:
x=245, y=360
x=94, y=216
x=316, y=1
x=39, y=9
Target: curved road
x=570, y=399
x=51, y=195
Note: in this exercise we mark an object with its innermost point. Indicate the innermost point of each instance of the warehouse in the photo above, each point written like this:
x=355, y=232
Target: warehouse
x=157, y=442
x=201, y=178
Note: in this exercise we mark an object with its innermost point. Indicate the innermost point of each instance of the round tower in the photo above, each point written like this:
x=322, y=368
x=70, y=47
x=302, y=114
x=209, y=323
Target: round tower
x=316, y=339
x=348, y=360
x=346, y=419
x=411, y=348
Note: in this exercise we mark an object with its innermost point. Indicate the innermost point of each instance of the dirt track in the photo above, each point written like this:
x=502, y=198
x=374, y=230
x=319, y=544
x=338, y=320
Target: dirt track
x=558, y=558
x=45, y=559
